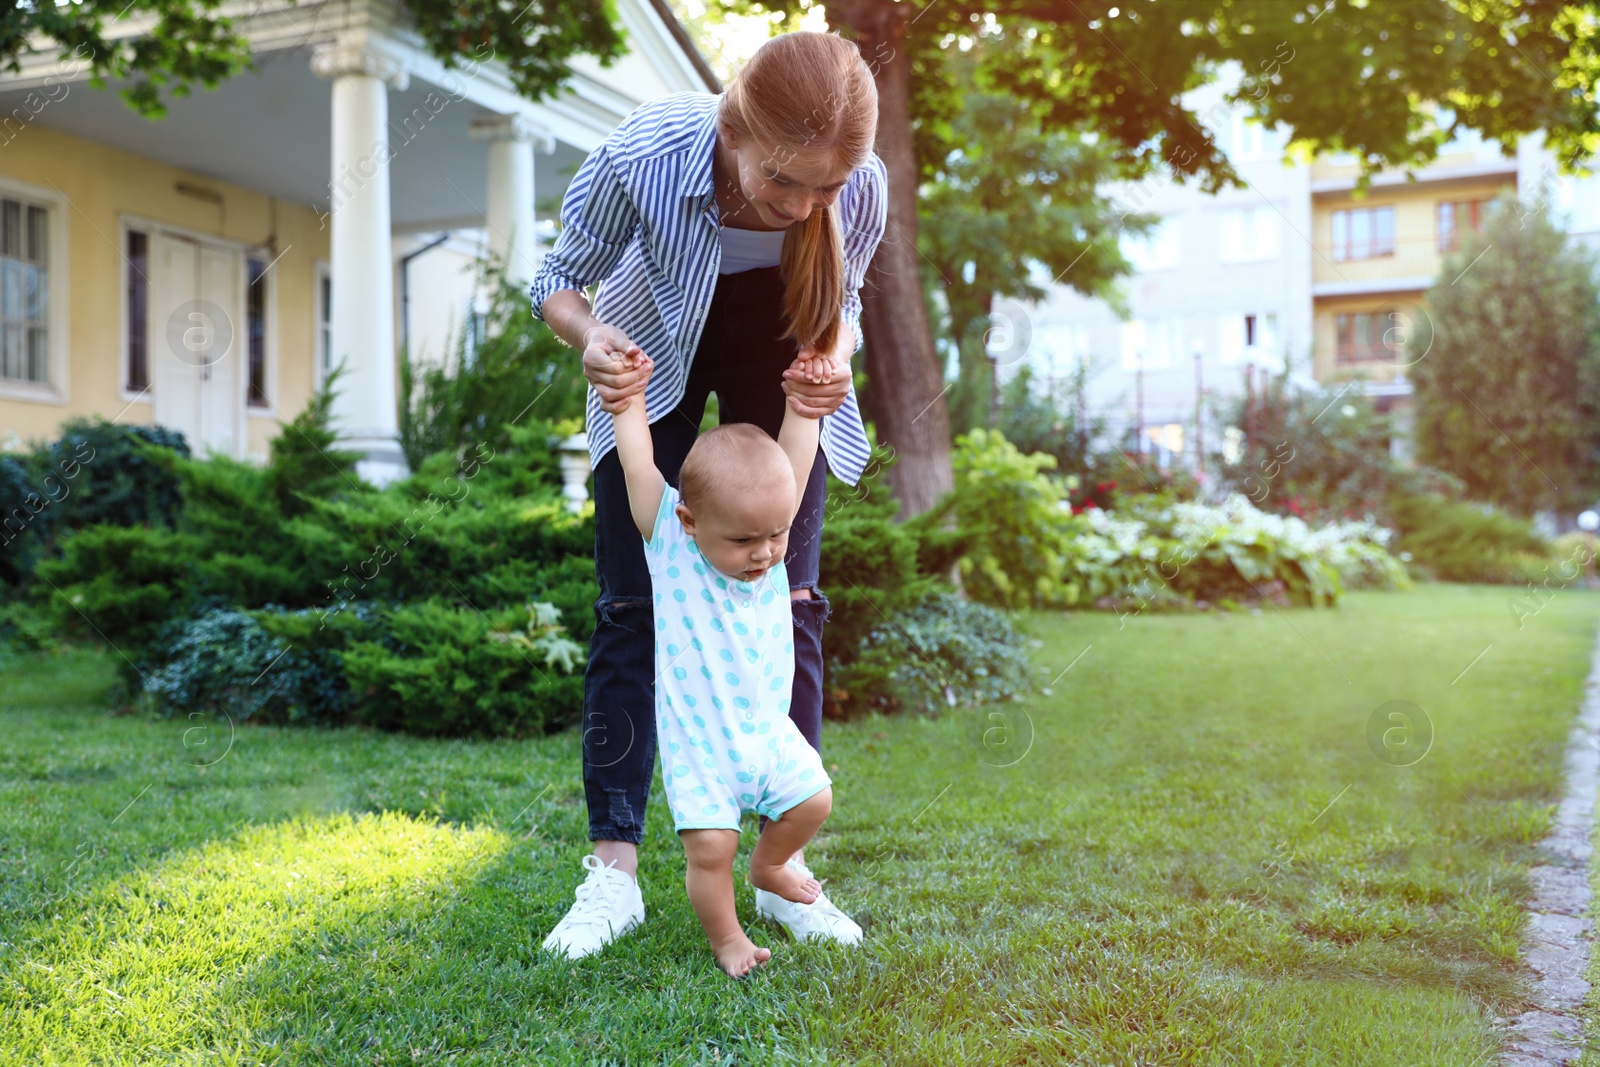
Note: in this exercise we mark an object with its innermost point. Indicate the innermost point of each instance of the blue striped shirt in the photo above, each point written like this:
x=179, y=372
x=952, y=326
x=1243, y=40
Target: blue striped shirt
x=640, y=217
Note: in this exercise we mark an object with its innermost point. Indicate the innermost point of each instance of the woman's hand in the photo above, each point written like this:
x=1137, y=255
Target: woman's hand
x=615, y=366
x=817, y=395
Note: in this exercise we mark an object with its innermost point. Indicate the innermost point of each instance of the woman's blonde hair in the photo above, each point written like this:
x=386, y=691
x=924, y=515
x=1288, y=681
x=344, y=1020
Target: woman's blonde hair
x=805, y=94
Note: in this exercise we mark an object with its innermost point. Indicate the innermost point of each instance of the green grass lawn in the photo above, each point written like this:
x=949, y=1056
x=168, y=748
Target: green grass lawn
x=1186, y=852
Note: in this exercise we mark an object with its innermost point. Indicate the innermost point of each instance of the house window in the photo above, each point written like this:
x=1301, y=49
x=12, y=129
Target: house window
x=1152, y=344
x=136, y=378
x=1249, y=141
x=324, y=321
x=1240, y=138
x=1459, y=216
x=1252, y=335
x=1249, y=233
x=1365, y=336
x=256, y=331
x=24, y=291
x=1363, y=233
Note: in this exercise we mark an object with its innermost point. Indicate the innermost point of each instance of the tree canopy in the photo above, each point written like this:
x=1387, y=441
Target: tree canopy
x=1507, y=367
x=1007, y=200
x=1339, y=75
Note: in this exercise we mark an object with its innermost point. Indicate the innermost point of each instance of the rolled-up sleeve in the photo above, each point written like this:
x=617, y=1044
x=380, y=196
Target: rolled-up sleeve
x=598, y=219
x=862, y=233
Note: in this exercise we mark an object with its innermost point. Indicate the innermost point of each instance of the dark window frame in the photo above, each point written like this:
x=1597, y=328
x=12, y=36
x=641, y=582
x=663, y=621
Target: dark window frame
x=1379, y=245
x=136, y=364
x=25, y=296
x=255, y=318
x=1447, y=221
x=1352, y=349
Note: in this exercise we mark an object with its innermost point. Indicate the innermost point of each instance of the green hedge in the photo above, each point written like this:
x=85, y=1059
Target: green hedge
x=1458, y=541
x=295, y=592
x=443, y=669
x=96, y=472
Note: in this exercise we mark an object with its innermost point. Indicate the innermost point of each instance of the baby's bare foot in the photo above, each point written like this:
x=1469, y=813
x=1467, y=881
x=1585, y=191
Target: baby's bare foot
x=739, y=956
x=785, y=881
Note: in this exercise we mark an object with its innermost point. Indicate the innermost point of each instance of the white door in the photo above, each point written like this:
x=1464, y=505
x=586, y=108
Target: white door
x=197, y=341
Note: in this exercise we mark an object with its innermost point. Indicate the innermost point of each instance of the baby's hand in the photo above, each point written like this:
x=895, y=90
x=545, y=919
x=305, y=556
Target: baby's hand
x=615, y=366
x=631, y=359
x=817, y=369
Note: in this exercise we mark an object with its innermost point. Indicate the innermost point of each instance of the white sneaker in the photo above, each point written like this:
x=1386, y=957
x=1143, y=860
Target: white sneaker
x=609, y=905
x=820, y=920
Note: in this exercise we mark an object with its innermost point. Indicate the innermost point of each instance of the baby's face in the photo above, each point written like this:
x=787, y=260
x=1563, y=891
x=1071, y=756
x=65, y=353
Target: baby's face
x=747, y=535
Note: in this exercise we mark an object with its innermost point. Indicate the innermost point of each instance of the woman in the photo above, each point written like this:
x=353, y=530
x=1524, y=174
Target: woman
x=730, y=234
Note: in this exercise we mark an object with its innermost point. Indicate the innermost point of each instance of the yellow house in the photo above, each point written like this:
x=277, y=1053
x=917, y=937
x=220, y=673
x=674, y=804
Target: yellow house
x=1374, y=256
x=203, y=271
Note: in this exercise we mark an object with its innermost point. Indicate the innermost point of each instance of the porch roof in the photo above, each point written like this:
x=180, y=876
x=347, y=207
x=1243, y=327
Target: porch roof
x=270, y=129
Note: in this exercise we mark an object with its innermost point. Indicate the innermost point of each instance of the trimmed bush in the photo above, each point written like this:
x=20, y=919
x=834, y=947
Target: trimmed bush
x=295, y=592
x=303, y=465
x=23, y=630
x=868, y=572
x=97, y=472
x=1457, y=541
x=224, y=662
x=120, y=584
x=444, y=670
x=25, y=519
x=941, y=652
x=123, y=475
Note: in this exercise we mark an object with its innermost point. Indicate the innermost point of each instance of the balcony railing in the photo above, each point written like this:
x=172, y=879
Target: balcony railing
x=1404, y=260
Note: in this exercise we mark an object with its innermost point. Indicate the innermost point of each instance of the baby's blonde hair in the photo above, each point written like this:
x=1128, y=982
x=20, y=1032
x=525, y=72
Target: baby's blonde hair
x=729, y=459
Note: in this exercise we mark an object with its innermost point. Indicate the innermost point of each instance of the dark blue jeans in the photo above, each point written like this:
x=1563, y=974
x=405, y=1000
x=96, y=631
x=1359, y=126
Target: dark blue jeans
x=742, y=359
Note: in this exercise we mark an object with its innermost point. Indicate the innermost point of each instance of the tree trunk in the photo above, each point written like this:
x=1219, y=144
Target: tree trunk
x=966, y=404
x=989, y=362
x=907, y=394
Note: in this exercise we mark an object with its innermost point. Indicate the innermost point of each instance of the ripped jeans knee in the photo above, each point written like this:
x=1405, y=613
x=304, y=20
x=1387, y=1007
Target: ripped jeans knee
x=624, y=611
x=814, y=608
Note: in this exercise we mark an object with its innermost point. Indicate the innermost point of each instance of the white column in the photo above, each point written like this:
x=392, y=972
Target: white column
x=365, y=411
x=510, y=205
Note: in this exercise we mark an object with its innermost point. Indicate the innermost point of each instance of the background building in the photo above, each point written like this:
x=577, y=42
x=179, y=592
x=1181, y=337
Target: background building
x=1296, y=269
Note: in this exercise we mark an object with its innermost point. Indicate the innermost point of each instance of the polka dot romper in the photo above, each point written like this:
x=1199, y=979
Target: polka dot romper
x=724, y=670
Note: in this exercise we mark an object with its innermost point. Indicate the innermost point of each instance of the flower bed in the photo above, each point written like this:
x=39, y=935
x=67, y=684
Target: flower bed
x=1191, y=551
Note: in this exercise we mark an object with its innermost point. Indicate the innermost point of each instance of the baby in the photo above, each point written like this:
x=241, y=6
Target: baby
x=725, y=654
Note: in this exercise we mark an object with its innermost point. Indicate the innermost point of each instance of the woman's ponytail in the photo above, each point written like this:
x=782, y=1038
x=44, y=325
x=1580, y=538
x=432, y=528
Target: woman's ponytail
x=812, y=267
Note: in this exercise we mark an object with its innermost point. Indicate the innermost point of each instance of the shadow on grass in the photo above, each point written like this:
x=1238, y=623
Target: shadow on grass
x=365, y=938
